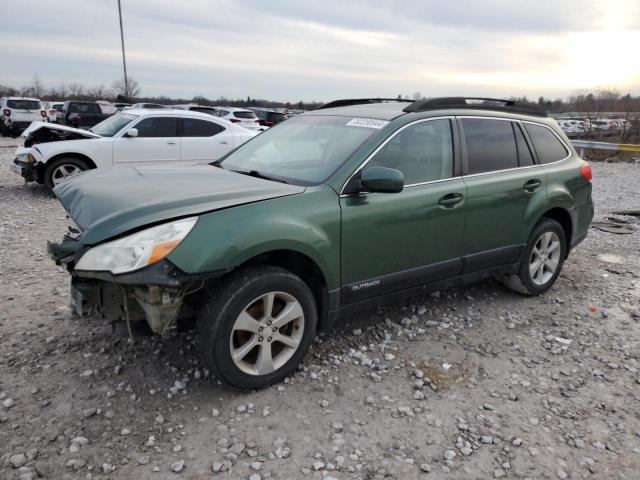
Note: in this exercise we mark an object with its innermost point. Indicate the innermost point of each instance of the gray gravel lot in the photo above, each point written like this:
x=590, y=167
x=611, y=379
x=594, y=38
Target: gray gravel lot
x=471, y=383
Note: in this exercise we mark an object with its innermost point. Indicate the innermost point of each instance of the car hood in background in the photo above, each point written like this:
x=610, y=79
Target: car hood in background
x=106, y=203
x=53, y=126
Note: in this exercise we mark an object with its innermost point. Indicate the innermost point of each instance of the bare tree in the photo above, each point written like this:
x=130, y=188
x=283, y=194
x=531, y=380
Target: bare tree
x=417, y=96
x=76, y=90
x=37, y=87
x=134, y=88
x=100, y=92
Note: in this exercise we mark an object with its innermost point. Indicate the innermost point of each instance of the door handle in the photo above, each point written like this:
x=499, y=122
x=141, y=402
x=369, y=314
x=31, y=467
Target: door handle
x=223, y=142
x=171, y=143
x=532, y=185
x=450, y=200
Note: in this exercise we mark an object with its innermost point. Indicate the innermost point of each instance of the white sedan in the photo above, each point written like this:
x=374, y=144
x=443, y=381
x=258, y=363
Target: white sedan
x=133, y=137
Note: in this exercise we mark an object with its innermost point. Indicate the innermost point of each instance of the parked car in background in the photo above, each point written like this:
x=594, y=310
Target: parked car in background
x=52, y=153
x=268, y=117
x=570, y=127
x=18, y=113
x=605, y=126
x=53, y=109
x=240, y=116
x=82, y=114
x=146, y=105
x=107, y=107
x=194, y=107
x=346, y=207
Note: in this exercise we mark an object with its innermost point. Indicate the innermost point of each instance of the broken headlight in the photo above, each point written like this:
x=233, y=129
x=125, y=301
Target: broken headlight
x=137, y=250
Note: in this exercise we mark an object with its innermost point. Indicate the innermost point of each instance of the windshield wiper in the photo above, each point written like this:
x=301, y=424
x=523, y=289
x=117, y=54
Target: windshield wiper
x=257, y=174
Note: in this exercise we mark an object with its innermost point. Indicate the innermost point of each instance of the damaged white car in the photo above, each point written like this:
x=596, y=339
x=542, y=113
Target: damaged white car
x=52, y=153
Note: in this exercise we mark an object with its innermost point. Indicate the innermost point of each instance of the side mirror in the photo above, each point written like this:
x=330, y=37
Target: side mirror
x=382, y=179
x=132, y=132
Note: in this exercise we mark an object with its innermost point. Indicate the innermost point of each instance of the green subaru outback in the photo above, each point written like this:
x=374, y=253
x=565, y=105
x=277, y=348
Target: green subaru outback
x=354, y=204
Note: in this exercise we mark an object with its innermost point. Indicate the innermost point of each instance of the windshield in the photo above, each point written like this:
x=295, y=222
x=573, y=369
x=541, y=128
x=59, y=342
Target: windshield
x=24, y=104
x=113, y=124
x=304, y=150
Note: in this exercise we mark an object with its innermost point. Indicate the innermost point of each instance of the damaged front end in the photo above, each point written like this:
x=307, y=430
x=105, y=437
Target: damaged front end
x=155, y=294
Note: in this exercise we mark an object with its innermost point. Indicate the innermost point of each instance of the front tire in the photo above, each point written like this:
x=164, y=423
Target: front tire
x=257, y=326
x=60, y=169
x=542, y=260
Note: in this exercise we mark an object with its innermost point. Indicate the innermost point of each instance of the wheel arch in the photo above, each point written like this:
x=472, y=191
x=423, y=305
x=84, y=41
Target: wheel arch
x=563, y=217
x=304, y=267
x=53, y=158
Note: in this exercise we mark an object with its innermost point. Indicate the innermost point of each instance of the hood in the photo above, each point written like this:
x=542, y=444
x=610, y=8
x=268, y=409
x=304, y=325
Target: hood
x=105, y=203
x=35, y=126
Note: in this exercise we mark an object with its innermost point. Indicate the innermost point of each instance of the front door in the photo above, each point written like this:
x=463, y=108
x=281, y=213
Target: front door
x=157, y=142
x=393, y=241
x=506, y=190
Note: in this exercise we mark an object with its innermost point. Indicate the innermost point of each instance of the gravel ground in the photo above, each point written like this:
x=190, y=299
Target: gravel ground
x=469, y=383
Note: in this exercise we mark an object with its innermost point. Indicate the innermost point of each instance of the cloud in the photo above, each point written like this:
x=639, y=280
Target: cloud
x=293, y=50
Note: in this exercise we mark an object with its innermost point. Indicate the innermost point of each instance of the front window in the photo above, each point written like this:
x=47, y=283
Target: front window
x=304, y=150
x=24, y=104
x=113, y=124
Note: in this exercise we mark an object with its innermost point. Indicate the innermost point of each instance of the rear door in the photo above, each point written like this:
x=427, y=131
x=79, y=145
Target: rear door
x=506, y=191
x=157, y=142
x=393, y=241
x=204, y=140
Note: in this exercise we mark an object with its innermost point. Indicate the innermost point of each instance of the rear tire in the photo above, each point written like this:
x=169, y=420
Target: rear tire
x=255, y=328
x=542, y=260
x=61, y=169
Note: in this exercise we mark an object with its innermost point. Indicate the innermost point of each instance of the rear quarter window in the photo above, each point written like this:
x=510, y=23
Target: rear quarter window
x=546, y=144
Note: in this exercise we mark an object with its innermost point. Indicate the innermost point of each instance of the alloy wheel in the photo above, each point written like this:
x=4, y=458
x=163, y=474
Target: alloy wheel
x=545, y=258
x=267, y=333
x=63, y=172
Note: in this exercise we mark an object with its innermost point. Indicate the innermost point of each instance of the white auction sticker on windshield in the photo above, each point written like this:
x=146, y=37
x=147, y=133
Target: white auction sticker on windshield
x=367, y=123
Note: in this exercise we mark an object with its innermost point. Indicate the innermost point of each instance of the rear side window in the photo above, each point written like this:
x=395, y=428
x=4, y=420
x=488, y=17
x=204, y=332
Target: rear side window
x=276, y=117
x=221, y=113
x=84, y=108
x=158, y=127
x=490, y=145
x=548, y=147
x=192, y=127
x=423, y=152
x=525, y=158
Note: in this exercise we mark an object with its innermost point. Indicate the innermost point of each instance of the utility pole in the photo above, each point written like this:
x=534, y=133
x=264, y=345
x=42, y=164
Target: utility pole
x=124, y=60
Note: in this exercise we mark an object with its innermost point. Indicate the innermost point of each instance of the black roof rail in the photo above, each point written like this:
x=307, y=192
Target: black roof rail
x=476, y=103
x=359, y=101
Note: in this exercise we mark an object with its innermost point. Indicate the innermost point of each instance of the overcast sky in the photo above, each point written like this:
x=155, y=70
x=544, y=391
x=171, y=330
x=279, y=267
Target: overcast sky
x=325, y=49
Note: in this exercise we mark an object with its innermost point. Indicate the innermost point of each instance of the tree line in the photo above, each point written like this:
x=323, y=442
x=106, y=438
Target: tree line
x=596, y=102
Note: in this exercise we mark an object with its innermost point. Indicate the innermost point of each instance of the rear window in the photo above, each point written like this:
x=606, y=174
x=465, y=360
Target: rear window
x=548, y=147
x=84, y=108
x=490, y=145
x=244, y=114
x=210, y=111
x=192, y=127
x=24, y=104
x=276, y=117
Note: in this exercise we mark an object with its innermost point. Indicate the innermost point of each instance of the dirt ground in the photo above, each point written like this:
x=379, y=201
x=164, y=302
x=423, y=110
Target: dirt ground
x=470, y=383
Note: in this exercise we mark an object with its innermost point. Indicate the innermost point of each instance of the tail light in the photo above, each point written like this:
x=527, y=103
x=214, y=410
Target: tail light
x=234, y=120
x=7, y=112
x=258, y=122
x=585, y=171
x=43, y=113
